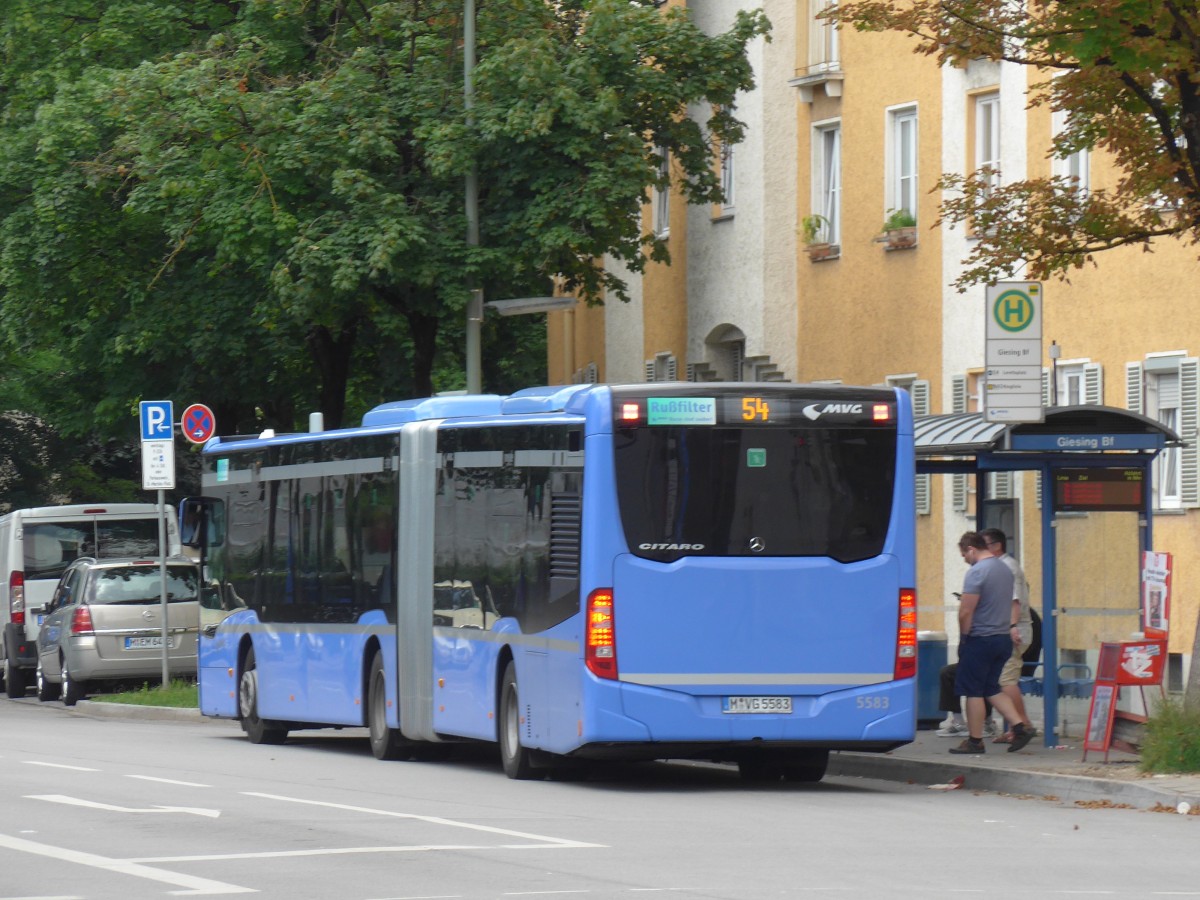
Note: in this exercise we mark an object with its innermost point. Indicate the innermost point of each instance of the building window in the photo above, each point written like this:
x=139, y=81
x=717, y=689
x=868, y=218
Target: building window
x=727, y=157
x=662, y=368
x=902, y=161
x=823, y=38
x=1076, y=382
x=1165, y=387
x=1162, y=403
x=1074, y=167
x=662, y=194
x=827, y=179
x=987, y=136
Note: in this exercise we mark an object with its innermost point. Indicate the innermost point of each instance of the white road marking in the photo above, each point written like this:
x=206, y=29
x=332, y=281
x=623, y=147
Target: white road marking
x=191, y=884
x=168, y=781
x=35, y=762
x=329, y=851
x=92, y=804
x=433, y=820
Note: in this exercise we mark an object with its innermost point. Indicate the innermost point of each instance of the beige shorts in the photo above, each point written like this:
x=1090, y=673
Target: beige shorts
x=1011, y=673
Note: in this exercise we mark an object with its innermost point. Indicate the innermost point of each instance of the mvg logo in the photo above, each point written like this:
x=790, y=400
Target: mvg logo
x=814, y=411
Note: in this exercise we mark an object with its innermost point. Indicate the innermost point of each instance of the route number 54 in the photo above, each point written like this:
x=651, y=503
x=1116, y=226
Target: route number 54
x=755, y=408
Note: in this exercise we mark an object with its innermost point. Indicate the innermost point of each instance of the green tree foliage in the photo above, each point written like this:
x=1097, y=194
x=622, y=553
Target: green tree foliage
x=259, y=203
x=1126, y=74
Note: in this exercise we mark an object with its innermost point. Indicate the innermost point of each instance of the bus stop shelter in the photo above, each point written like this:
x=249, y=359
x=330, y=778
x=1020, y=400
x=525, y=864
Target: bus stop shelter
x=1087, y=458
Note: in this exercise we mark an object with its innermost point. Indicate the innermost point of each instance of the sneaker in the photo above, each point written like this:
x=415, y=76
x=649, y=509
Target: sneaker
x=1021, y=737
x=989, y=728
x=946, y=722
x=954, y=729
x=970, y=745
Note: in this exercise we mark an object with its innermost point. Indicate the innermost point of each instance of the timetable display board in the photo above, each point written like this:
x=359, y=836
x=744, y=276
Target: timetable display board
x=1099, y=490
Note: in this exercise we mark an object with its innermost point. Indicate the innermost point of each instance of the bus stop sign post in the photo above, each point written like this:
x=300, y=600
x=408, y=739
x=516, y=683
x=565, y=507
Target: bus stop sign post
x=158, y=473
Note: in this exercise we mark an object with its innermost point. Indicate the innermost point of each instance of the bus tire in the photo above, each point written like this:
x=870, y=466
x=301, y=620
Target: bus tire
x=386, y=743
x=806, y=766
x=14, y=680
x=260, y=731
x=73, y=690
x=516, y=759
x=760, y=768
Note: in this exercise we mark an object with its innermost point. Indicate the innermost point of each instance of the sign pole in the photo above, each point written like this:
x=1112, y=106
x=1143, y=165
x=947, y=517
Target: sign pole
x=162, y=568
x=158, y=473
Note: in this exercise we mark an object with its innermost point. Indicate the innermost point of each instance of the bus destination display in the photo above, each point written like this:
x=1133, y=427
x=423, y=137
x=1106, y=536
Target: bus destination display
x=736, y=409
x=1099, y=490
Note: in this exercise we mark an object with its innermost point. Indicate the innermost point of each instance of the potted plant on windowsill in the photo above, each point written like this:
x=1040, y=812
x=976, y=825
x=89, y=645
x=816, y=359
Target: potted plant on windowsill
x=899, y=230
x=813, y=229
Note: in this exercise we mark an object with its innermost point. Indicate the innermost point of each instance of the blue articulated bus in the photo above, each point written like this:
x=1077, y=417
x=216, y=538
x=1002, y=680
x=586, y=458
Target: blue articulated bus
x=657, y=571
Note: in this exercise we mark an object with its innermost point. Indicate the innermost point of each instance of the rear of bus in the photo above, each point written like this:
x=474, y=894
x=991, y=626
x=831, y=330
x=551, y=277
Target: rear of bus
x=36, y=547
x=754, y=591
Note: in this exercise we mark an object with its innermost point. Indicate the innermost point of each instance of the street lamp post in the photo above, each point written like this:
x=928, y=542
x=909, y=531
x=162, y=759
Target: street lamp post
x=474, y=324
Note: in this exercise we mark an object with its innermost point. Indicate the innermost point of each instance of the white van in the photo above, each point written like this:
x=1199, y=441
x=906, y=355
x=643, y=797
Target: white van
x=37, y=545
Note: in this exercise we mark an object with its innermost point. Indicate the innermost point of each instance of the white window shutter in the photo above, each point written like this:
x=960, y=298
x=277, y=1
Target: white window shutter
x=1189, y=458
x=1002, y=485
x=691, y=371
x=1093, y=384
x=1133, y=387
x=958, y=400
x=919, y=390
x=672, y=368
x=1047, y=395
x=650, y=370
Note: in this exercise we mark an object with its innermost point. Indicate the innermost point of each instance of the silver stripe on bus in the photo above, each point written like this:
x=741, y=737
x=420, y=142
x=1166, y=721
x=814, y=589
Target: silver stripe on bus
x=752, y=679
x=500, y=637
x=548, y=458
x=302, y=470
x=530, y=459
x=306, y=628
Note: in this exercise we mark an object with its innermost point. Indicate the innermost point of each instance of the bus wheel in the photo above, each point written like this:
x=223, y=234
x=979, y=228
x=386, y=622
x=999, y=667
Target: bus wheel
x=760, y=767
x=386, y=743
x=73, y=690
x=806, y=765
x=14, y=680
x=260, y=731
x=517, y=760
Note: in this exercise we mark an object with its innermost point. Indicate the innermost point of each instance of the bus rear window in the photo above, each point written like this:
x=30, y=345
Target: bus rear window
x=755, y=491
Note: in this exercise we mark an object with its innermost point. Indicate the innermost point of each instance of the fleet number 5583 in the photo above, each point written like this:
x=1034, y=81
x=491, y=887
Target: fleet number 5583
x=873, y=702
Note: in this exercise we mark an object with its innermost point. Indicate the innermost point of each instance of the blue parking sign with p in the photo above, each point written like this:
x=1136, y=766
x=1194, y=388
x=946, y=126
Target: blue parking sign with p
x=157, y=420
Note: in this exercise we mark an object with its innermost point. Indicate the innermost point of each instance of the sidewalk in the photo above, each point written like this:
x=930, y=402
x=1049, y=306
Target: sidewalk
x=1037, y=771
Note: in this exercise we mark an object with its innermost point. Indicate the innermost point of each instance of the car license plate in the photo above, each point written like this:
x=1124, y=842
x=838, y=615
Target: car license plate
x=148, y=643
x=756, y=705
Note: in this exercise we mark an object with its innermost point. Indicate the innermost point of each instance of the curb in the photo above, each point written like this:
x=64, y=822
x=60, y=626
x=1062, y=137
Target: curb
x=101, y=710
x=1068, y=788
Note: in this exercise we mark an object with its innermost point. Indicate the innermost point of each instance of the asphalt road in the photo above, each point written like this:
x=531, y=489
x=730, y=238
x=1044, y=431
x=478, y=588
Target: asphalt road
x=108, y=808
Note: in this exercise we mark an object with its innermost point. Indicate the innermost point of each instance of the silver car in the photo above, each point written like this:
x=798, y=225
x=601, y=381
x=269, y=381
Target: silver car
x=104, y=623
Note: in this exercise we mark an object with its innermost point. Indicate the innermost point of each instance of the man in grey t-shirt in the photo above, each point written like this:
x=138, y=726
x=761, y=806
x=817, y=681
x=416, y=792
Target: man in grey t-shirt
x=987, y=616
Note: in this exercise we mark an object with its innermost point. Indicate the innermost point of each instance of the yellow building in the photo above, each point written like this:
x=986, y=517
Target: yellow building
x=846, y=129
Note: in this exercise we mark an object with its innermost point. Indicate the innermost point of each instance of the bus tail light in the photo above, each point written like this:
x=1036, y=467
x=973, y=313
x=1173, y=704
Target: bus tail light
x=601, y=639
x=906, y=635
x=16, y=598
x=81, y=621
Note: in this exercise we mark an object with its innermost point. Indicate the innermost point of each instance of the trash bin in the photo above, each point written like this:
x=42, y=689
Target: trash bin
x=931, y=656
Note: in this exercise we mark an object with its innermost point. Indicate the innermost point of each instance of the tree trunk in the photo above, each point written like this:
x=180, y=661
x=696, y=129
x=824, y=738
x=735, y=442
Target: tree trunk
x=332, y=354
x=424, y=332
